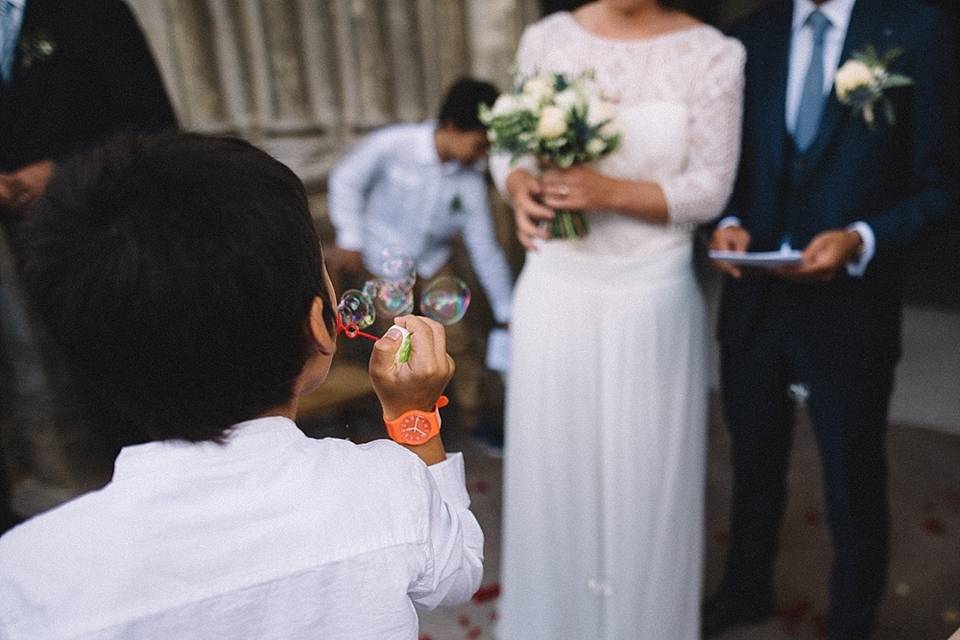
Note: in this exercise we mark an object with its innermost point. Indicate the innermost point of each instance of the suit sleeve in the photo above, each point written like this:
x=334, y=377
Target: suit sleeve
x=934, y=126
x=136, y=93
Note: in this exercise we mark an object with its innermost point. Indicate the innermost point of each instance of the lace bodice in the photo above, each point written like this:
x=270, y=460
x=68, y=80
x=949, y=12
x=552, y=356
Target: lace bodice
x=680, y=101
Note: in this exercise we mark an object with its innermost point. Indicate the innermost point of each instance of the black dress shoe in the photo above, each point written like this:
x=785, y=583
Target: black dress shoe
x=726, y=611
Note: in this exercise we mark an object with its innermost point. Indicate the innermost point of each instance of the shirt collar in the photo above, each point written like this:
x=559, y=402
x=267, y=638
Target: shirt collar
x=426, y=149
x=837, y=11
x=244, y=440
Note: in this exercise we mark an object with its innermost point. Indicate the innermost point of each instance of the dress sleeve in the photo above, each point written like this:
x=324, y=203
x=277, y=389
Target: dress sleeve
x=700, y=192
x=529, y=59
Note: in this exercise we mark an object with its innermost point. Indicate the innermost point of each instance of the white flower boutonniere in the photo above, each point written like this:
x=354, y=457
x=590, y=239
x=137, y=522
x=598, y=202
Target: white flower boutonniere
x=34, y=47
x=863, y=80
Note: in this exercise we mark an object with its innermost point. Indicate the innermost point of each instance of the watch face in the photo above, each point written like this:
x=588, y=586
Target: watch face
x=415, y=429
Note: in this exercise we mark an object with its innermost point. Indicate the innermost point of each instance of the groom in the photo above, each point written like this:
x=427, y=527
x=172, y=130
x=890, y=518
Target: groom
x=852, y=196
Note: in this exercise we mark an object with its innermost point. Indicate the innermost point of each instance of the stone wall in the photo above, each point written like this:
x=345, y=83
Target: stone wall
x=302, y=77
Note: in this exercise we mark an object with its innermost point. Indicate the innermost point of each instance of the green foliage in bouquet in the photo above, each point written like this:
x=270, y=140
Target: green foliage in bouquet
x=559, y=119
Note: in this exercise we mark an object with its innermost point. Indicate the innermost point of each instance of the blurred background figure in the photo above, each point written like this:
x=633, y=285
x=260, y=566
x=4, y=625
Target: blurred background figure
x=417, y=188
x=71, y=74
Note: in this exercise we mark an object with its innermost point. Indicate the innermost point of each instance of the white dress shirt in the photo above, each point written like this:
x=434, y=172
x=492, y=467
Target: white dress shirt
x=270, y=535
x=801, y=49
x=393, y=190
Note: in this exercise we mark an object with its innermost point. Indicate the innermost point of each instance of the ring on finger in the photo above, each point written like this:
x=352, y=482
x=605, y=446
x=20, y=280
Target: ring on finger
x=563, y=190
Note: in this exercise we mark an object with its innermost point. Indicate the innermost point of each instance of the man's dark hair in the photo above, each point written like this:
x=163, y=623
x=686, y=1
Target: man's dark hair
x=177, y=273
x=462, y=104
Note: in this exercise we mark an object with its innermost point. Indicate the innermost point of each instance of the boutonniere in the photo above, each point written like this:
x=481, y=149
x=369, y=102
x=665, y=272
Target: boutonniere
x=456, y=204
x=863, y=80
x=35, y=46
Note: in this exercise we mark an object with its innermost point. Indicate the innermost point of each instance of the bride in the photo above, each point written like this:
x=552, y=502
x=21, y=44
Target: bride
x=606, y=407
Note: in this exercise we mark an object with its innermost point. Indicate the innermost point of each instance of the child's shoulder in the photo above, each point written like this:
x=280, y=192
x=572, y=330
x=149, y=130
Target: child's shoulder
x=401, y=132
x=382, y=460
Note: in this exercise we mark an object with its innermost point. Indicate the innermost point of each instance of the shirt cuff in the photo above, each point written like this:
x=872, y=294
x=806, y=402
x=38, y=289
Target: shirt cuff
x=729, y=221
x=858, y=267
x=451, y=481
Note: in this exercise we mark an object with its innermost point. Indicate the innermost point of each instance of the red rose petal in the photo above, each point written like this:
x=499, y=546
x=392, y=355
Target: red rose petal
x=464, y=621
x=474, y=633
x=792, y=615
x=489, y=592
x=934, y=526
x=820, y=625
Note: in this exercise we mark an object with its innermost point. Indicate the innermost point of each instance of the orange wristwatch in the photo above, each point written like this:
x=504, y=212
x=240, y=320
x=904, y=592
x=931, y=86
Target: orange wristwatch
x=416, y=427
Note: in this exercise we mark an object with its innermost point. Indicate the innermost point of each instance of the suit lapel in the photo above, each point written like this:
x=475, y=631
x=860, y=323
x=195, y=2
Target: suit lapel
x=773, y=88
x=33, y=20
x=865, y=22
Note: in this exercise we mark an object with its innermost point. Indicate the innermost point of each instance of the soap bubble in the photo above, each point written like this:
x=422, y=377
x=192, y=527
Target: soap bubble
x=397, y=266
x=393, y=299
x=445, y=300
x=357, y=308
x=370, y=288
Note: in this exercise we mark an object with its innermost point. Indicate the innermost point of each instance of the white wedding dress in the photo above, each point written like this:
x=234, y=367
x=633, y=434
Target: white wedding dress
x=606, y=407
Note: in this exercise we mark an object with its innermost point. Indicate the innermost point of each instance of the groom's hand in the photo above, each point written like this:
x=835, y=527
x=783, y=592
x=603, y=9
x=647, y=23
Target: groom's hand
x=826, y=254
x=730, y=238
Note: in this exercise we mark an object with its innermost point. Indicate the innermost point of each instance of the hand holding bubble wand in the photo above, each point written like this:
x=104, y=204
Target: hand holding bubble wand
x=445, y=300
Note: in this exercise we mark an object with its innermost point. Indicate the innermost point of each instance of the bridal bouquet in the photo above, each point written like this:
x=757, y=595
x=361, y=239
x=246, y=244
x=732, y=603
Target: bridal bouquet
x=561, y=120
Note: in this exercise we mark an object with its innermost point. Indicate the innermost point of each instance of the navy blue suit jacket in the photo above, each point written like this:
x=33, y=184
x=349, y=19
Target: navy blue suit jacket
x=99, y=79
x=897, y=178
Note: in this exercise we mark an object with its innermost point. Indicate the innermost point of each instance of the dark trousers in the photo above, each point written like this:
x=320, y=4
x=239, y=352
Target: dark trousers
x=847, y=405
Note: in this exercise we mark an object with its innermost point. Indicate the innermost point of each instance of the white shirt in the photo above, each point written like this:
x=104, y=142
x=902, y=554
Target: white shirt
x=393, y=190
x=271, y=535
x=801, y=49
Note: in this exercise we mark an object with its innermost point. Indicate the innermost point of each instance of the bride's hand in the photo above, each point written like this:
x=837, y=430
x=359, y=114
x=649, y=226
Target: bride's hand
x=525, y=189
x=578, y=187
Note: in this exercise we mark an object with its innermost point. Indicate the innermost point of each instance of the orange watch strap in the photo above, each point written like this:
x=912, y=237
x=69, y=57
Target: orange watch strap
x=416, y=427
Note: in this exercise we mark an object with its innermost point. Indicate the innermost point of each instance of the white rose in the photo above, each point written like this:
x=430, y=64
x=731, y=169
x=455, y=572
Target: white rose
x=851, y=76
x=538, y=89
x=552, y=123
x=567, y=99
x=596, y=146
x=491, y=136
x=505, y=104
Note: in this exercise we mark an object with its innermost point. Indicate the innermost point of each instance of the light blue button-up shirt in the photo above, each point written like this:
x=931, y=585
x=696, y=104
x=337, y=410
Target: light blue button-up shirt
x=393, y=190
x=9, y=34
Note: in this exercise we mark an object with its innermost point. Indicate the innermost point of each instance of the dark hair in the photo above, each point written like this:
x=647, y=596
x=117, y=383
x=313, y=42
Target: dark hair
x=462, y=104
x=176, y=273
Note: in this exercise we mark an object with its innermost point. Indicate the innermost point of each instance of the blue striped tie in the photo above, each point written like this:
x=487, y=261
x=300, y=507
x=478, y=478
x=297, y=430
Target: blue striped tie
x=812, y=99
x=9, y=44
